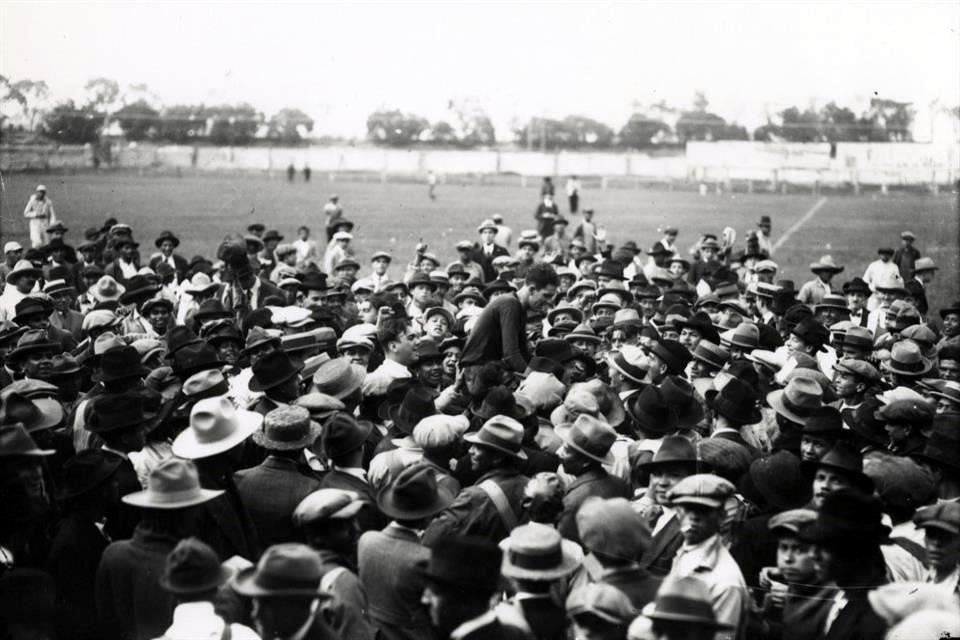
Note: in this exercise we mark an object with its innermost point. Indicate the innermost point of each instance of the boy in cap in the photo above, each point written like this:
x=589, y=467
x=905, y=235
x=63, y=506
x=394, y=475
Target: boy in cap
x=599, y=611
x=941, y=526
x=699, y=500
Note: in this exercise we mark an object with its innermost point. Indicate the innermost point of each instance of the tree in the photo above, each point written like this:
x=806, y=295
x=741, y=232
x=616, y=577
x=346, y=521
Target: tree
x=289, y=126
x=68, y=124
x=582, y=132
x=182, y=123
x=28, y=96
x=840, y=124
x=233, y=124
x=395, y=128
x=139, y=121
x=102, y=93
x=476, y=130
x=442, y=133
x=889, y=120
x=701, y=124
x=641, y=132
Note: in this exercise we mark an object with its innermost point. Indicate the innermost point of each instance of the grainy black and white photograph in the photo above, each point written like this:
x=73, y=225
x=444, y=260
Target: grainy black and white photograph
x=479, y=320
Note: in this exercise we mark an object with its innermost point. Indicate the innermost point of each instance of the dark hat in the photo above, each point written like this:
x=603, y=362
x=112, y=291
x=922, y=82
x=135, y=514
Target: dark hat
x=342, y=434
x=287, y=429
x=211, y=309
x=194, y=358
x=701, y=323
x=885, y=250
x=779, y=480
x=15, y=441
x=556, y=349
x=850, y=517
x=825, y=423
x=943, y=445
x=680, y=394
x=674, y=354
x=33, y=341
x=428, y=350
x=193, y=567
x=812, y=333
x=21, y=406
x=272, y=370
x=497, y=286
x=501, y=433
x=116, y=411
x=944, y=516
x=658, y=250
x=150, y=304
x=651, y=413
x=226, y=332
x=420, y=278
x=465, y=563
x=120, y=363
x=139, y=288
x=950, y=309
x=414, y=494
x=256, y=227
x=856, y=285
x=417, y=404
x=844, y=458
x=674, y=450
x=610, y=269
x=86, y=471
x=32, y=305
x=177, y=338
x=272, y=234
x=165, y=236
x=684, y=599
x=737, y=402
x=314, y=281
x=289, y=570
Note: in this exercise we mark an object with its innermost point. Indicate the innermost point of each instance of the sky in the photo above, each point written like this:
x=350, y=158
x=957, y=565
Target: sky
x=340, y=61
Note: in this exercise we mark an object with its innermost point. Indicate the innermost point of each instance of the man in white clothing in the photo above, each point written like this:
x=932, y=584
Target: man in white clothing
x=39, y=211
x=880, y=269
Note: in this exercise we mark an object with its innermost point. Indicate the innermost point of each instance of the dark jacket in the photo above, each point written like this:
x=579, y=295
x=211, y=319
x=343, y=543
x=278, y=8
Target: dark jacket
x=546, y=619
x=181, y=266
x=348, y=611
x=369, y=518
x=473, y=513
x=486, y=261
x=499, y=334
x=70, y=322
x=856, y=621
x=636, y=583
x=389, y=574
x=224, y=522
x=595, y=482
x=121, y=517
x=131, y=604
x=270, y=492
x=74, y=556
x=658, y=558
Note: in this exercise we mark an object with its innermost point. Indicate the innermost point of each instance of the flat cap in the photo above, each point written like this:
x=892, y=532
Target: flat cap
x=327, y=504
x=602, y=600
x=859, y=368
x=944, y=515
x=612, y=528
x=702, y=488
x=791, y=520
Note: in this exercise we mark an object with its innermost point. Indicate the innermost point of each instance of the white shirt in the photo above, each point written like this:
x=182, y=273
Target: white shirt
x=127, y=269
x=710, y=562
x=378, y=381
x=198, y=621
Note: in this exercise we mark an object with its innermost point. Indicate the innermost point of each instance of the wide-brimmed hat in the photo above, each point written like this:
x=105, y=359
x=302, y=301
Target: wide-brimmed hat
x=272, y=370
x=672, y=353
x=166, y=236
x=608, y=301
x=417, y=404
x=15, y=441
x=798, y=400
x=23, y=268
x=736, y=401
x=949, y=391
x=651, y=413
x=906, y=359
x=630, y=362
x=684, y=599
x=215, y=426
x=500, y=433
x=710, y=354
x=120, y=363
x=86, y=471
x=343, y=434
x=35, y=414
x=34, y=304
x=848, y=516
x=674, y=450
x=826, y=263
x=590, y=437
x=414, y=494
x=193, y=568
x=32, y=341
x=536, y=551
x=421, y=279
x=832, y=301
x=201, y=284
x=601, y=601
x=844, y=458
x=139, y=288
x=194, y=358
x=173, y=484
x=856, y=285
x=289, y=570
x=465, y=563
x=778, y=480
x=681, y=395
x=701, y=323
x=812, y=333
x=338, y=378
x=211, y=309
x=287, y=429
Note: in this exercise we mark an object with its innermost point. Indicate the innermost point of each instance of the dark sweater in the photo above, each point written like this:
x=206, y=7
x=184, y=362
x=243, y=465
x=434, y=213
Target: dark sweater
x=499, y=334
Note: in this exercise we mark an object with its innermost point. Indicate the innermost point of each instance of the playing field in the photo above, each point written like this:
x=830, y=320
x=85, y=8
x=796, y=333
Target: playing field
x=203, y=208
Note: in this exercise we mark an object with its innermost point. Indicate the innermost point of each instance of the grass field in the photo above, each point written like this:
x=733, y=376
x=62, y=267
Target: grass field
x=202, y=208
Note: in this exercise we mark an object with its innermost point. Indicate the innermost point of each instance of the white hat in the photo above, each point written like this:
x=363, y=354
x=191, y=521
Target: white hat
x=41, y=187
x=215, y=426
x=343, y=235
x=13, y=245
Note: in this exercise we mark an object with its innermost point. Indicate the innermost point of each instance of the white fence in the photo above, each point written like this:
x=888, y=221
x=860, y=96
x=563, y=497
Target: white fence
x=712, y=162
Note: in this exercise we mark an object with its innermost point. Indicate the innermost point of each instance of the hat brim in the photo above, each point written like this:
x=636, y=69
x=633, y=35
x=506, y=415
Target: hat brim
x=19, y=352
x=143, y=499
x=691, y=463
x=775, y=400
x=651, y=613
x=927, y=365
x=260, y=437
x=187, y=446
x=698, y=500
x=572, y=557
x=138, y=372
x=245, y=584
x=387, y=505
x=159, y=241
x=222, y=577
x=612, y=363
x=256, y=385
x=111, y=464
x=860, y=480
x=51, y=414
x=16, y=273
x=472, y=438
x=563, y=432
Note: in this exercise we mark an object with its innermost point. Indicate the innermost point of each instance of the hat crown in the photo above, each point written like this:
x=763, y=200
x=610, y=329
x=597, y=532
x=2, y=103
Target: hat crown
x=213, y=420
x=843, y=457
x=804, y=392
x=906, y=352
x=592, y=434
x=415, y=488
x=322, y=504
x=682, y=598
x=192, y=563
x=612, y=527
x=702, y=485
x=288, y=565
x=287, y=424
x=650, y=412
x=14, y=440
x=537, y=541
x=502, y=431
x=675, y=449
x=174, y=477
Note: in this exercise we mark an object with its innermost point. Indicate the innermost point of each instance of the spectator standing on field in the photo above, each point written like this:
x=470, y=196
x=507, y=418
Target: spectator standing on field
x=432, y=184
x=39, y=211
x=333, y=212
x=906, y=255
x=547, y=212
x=573, y=194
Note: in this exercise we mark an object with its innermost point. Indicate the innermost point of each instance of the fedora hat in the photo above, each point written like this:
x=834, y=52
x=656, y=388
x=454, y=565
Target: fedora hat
x=148, y=306
x=23, y=268
x=561, y=329
x=54, y=287
x=575, y=312
x=86, y=471
x=825, y=422
x=320, y=406
x=287, y=429
x=710, y=354
x=832, y=301
x=166, y=236
x=630, y=362
x=465, y=563
x=258, y=336
x=627, y=318
x=950, y=391
x=33, y=341
x=701, y=323
x=117, y=411
x=674, y=450
x=173, y=484
x=179, y=337
x=745, y=335
x=590, y=437
x=417, y=404
x=193, y=567
x=64, y=365
x=421, y=279
x=684, y=599
x=208, y=383
x=607, y=400
x=650, y=412
x=736, y=401
x=272, y=370
x=826, y=263
x=536, y=551
x=906, y=359
x=848, y=461
x=343, y=434
x=672, y=353
x=314, y=281
x=950, y=309
x=139, y=288
x=215, y=426
x=858, y=337
x=414, y=494
x=680, y=394
x=35, y=414
x=211, y=309
x=339, y=378
x=289, y=570
x=428, y=351
x=601, y=601
x=194, y=358
x=850, y=517
x=856, y=285
x=798, y=400
x=501, y=433
x=33, y=304
x=15, y=441
x=470, y=293
x=618, y=289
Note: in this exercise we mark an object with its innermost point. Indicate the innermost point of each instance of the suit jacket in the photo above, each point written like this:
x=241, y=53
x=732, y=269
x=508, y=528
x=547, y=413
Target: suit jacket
x=347, y=613
x=71, y=322
x=488, y=627
x=857, y=621
x=486, y=261
x=547, y=619
x=122, y=519
x=736, y=437
x=473, y=513
x=369, y=518
x=658, y=558
x=181, y=266
x=74, y=556
x=538, y=460
x=224, y=522
x=131, y=604
x=270, y=492
x=636, y=583
x=114, y=271
x=389, y=574
x=596, y=482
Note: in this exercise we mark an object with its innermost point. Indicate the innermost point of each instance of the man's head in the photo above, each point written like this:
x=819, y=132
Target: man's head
x=949, y=362
x=399, y=340
x=941, y=527
x=540, y=287
x=699, y=500
x=795, y=557
x=303, y=232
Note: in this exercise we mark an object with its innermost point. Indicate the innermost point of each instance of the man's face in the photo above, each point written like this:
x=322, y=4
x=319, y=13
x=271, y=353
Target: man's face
x=690, y=338
x=357, y=355
x=795, y=560
x=951, y=325
x=488, y=236
x=700, y=370
x=950, y=369
x=380, y=266
x=159, y=319
x=658, y=369
x=698, y=522
x=539, y=299
x=255, y=354
x=663, y=478
x=765, y=228
x=795, y=343
x=587, y=346
x=14, y=256
x=825, y=482
x=421, y=294
x=426, y=265
x=228, y=351
x=436, y=326
x=526, y=252
x=36, y=321
x=451, y=358
x=854, y=353
x=25, y=283
x=404, y=348
x=845, y=385
x=41, y=195
x=708, y=253
x=676, y=269
x=38, y=364
x=430, y=372
x=648, y=306
x=897, y=431
x=943, y=549
x=128, y=251
x=481, y=459
x=812, y=448
x=314, y=298
x=280, y=617
x=166, y=247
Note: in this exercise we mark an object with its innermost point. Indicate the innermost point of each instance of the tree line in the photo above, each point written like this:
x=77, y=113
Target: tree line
x=137, y=114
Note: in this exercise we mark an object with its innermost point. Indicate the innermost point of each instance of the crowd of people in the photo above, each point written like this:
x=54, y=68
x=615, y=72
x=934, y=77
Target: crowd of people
x=553, y=437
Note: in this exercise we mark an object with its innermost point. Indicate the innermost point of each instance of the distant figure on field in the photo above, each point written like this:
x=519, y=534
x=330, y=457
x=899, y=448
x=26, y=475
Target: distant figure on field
x=39, y=211
x=306, y=173
x=547, y=188
x=432, y=184
x=333, y=212
x=573, y=194
x=547, y=212
x=291, y=172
